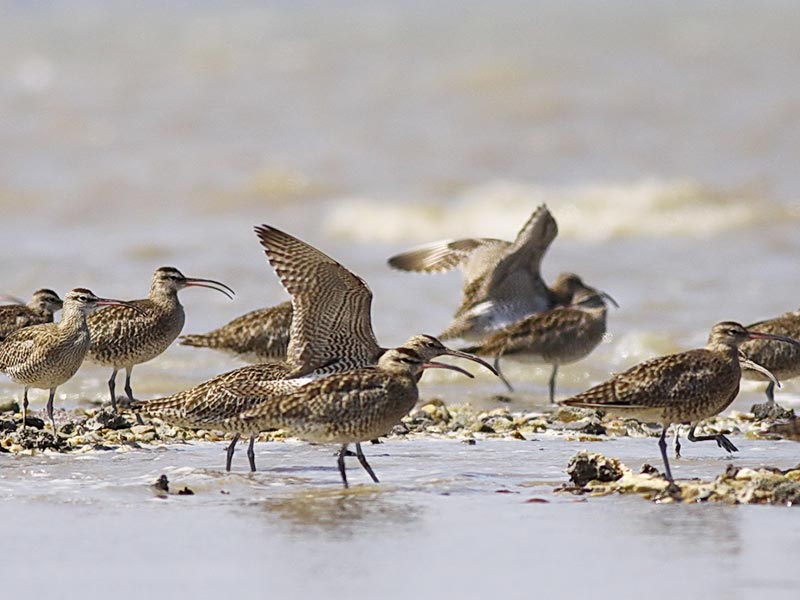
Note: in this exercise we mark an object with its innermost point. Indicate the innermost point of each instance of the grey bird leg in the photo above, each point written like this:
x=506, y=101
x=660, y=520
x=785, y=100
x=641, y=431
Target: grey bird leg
x=340, y=463
x=662, y=444
x=112, y=386
x=251, y=454
x=722, y=441
x=553, y=384
x=50, y=409
x=24, y=407
x=363, y=460
x=229, y=452
x=129, y=393
x=677, y=442
x=771, y=393
x=500, y=374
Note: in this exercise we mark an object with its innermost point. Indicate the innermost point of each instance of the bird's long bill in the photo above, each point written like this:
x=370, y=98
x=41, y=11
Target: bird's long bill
x=110, y=302
x=473, y=358
x=746, y=363
x=609, y=298
x=432, y=364
x=771, y=336
x=210, y=284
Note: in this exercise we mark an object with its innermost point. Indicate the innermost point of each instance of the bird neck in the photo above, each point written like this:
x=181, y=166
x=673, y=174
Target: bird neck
x=72, y=318
x=164, y=296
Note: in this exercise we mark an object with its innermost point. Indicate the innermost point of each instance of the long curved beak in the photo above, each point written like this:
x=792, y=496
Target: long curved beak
x=432, y=364
x=746, y=363
x=210, y=284
x=772, y=336
x=111, y=302
x=473, y=358
x=609, y=298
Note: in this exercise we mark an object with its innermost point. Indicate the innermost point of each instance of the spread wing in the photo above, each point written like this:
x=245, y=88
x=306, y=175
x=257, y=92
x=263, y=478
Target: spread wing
x=331, y=305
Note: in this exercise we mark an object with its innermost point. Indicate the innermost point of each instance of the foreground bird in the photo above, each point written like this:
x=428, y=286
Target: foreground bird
x=346, y=408
x=331, y=332
x=781, y=359
x=258, y=336
x=39, y=309
x=558, y=336
x=45, y=356
x=680, y=388
x=502, y=282
x=121, y=339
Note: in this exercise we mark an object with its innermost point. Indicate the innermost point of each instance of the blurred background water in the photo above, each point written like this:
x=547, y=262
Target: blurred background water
x=663, y=136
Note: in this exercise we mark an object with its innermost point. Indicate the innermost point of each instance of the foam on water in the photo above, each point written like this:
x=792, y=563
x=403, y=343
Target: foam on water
x=590, y=212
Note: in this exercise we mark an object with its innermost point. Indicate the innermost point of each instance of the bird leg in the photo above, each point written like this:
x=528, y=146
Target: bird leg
x=500, y=374
x=129, y=393
x=50, y=409
x=662, y=444
x=251, y=454
x=770, y=394
x=553, y=384
x=112, y=386
x=24, y=407
x=340, y=463
x=230, y=450
x=363, y=460
x=722, y=441
x=677, y=443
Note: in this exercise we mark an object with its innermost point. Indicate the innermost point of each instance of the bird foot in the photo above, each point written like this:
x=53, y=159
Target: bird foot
x=724, y=443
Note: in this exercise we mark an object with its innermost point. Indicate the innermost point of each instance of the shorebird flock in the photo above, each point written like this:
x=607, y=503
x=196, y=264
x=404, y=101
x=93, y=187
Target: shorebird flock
x=319, y=373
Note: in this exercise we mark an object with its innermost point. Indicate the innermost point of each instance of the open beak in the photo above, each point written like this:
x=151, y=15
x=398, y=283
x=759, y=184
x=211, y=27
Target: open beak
x=432, y=364
x=473, y=358
x=771, y=336
x=210, y=284
x=110, y=302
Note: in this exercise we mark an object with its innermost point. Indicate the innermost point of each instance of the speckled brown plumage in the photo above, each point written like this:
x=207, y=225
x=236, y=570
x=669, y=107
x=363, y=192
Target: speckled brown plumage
x=558, y=336
x=678, y=388
x=783, y=360
x=344, y=408
x=215, y=403
x=332, y=320
x=39, y=310
x=45, y=356
x=258, y=336
x=502, y=281
x=121, y=339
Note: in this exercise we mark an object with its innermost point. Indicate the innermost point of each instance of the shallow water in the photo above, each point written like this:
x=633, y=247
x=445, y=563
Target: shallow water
x=663, y=139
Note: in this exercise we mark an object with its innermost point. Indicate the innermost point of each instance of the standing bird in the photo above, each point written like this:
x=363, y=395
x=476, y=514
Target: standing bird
x=781, y=359
x=122, y=340
x=502, y=280
x=45, y=356
x=215, y=403
x=258, y=336
x=39, y=309
x=558, y=336
x=346, y=408
x=680, y=388
x=331, y=332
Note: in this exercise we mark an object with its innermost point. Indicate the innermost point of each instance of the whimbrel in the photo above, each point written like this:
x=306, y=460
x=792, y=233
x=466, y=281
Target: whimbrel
x=45, y=356
x=121, y=339
x=558, y=336
x=258, y=336
x=680, y=388
x=346, y=408
x=215, y=403
x=38, y=310
x=502, y=283
x=781, y=359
